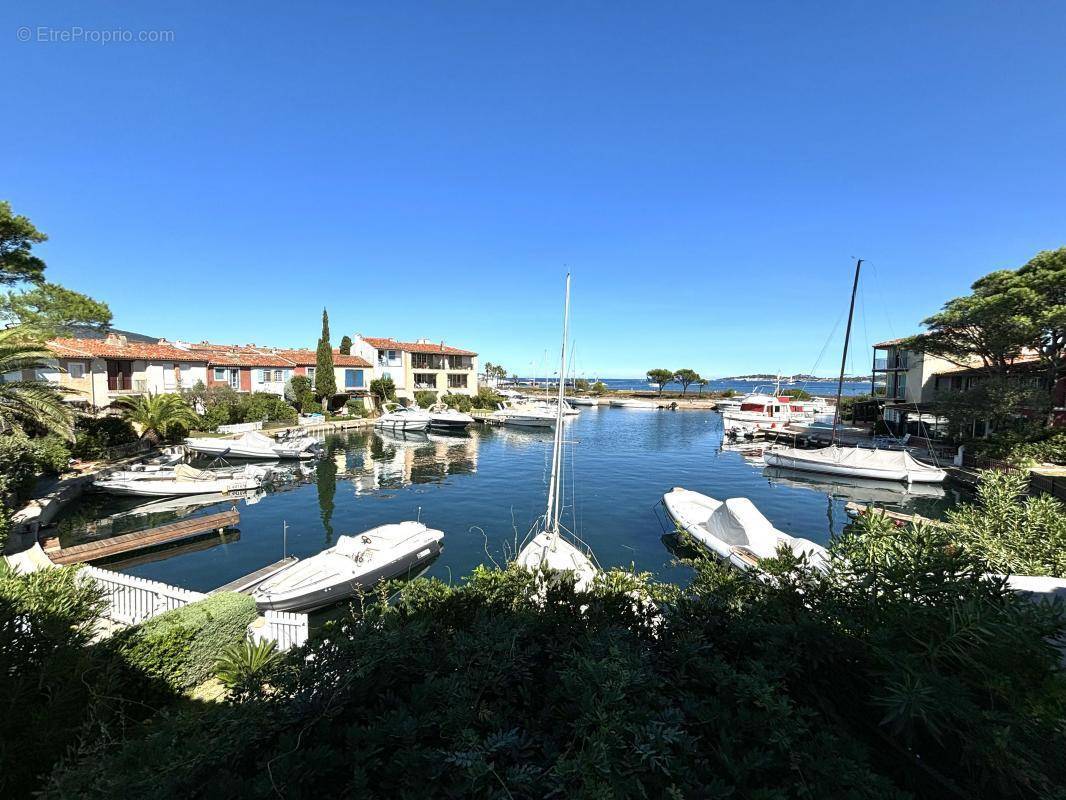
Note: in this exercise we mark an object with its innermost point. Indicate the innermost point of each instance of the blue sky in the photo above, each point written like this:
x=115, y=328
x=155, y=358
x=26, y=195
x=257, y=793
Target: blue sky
x=707, y=171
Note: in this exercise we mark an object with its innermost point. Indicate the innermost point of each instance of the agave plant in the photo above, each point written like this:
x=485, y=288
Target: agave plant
x=245, y=667
x=34, y=404
x=157, y=415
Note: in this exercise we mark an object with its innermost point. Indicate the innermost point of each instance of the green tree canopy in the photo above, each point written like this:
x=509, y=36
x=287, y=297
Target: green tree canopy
x=28, y=406
x=686, y=377
x=17, y=238
x=158, y=415
x=51, y=309
x=661, y=377
x=325, y=380
x=346, y=346
x=1044, y=280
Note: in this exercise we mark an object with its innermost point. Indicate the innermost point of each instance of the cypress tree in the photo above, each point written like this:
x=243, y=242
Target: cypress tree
x=346, y=346
x=325, y=381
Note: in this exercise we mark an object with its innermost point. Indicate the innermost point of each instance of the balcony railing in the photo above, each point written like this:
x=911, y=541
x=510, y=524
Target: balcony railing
x=126, y=383
x=880, y=364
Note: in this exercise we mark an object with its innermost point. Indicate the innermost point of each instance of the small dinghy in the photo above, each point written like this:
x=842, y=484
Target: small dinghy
x=184, y=480
x=856, y=462
x=354, y=563
x=403, y=419
x=735, y=530
x=449, y=419
x=254, y=445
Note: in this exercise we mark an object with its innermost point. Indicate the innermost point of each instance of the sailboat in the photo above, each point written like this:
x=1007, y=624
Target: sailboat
x=548, y=550
x=891, y=465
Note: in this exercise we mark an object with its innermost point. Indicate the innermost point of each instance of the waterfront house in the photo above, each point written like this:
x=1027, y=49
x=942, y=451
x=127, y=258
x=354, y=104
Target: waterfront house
x=421, y=365
x=94, y=371
x=244, y=368
x=351, y=372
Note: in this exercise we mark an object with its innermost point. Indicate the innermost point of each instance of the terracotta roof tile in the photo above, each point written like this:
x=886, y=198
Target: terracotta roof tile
x=308, y=358
x=416, y=347
x=133, y=351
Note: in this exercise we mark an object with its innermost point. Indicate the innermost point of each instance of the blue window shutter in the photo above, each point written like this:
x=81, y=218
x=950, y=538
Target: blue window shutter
x=359, y=379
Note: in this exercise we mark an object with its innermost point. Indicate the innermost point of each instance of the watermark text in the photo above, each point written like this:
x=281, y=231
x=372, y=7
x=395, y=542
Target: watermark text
x=75, y=34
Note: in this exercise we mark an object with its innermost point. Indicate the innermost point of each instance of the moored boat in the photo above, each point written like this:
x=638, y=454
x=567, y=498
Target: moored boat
x=760, y=413
x=583, y=401
x=734, y=530
x=856, y=462
x=184, y=480
x=632, y=402
x=355, y=563
x=449, y=419
x=403, y=419
x=254, y=444
x=524, y=415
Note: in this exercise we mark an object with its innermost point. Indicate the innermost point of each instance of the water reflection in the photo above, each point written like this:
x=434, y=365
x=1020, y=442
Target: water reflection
x=384, y=460
x=858, y=490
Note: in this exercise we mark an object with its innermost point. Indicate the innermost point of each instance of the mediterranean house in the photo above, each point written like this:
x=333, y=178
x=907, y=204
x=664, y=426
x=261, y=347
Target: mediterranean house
x=421, y=365
x=351, y=372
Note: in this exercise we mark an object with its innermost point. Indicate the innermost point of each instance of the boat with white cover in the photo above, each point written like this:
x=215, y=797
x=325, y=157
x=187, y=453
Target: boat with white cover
x=761, y=413
x=548, y=550
x=856, y=462
x=184, y=480
x=583, y=401
x=449, y=419
x=735, y=530
x=353, y=564
x=525, y=415
x=403, y=419
x=632, y=402
x=254, y=444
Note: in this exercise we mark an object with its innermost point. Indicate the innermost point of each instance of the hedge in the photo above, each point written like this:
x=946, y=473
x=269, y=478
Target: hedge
x=181, y=646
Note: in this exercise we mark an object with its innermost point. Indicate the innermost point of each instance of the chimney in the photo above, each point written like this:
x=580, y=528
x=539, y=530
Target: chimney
x=115, y=339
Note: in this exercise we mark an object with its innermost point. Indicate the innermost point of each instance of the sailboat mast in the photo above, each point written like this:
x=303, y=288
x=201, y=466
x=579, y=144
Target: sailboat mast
x=844, y=357
x=555, y=484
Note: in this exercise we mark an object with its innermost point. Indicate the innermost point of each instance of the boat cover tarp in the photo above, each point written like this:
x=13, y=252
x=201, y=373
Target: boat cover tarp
x=184, y=472
x=859, y=458
x=738, y=522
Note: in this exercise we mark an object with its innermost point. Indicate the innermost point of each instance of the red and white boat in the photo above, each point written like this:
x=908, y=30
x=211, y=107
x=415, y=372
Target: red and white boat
x=760, y=413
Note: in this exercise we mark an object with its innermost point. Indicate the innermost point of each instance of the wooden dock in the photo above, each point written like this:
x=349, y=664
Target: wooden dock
x=143, y=539
x=246, y=583
x=855, y=509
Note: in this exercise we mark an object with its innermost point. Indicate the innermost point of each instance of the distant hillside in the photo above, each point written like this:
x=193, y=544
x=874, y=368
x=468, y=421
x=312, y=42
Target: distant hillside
x=797, y=378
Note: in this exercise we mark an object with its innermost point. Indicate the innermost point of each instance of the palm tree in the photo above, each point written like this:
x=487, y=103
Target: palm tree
x=33, y=404
x=157, y=415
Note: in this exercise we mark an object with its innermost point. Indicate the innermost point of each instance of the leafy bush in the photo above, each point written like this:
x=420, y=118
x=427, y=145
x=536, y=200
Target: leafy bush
x=1026, y=445
x=797, y=394
x=23, y=459
x=1011, y=532
x=356, y=407
x=425, y=398
x=95, y=435
x=383, y=389
x=244, y=667
x=56, y=687
x=798, y=686
x=486, y=398
x=264, y=406
x=52, y=454
x=460, y=402
x=182, y=646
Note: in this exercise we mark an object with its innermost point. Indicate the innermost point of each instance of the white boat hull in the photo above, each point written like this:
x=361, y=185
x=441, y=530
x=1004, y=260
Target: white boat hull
x=644, y=404
x=168, y=487
x=849, y=462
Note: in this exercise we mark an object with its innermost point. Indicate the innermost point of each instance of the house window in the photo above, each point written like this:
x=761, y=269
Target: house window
x=279, y=375
x=220, y=374
x=76, y=369
x=311, y=374
x=425, y=380
x=353, y=379
x=457, y=381
x=170, y=377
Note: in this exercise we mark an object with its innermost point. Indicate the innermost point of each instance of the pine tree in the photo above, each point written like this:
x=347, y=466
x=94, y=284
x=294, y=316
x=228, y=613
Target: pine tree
x=325, y=381
x=346, y=346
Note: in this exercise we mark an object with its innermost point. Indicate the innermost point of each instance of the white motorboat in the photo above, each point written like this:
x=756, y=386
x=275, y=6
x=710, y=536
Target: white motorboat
x=355, y=563
x=632, y=402
x=583, y=401
x=184, y=480
x=254, y=444
x=449, y=419
x=525, y=415
x=856, y=462
x=760, y=413
x=727, y=404
x=735, y=530
x=547, y=550
x=403, y=419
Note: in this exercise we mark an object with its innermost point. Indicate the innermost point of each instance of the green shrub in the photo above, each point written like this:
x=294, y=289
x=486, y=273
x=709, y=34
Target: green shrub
x=599, y=387
x=266, y=407
x=182, y=646
x=95, y=435
x=356, y=407
x=1028, y=444
x=244, y=667
x=486, y=398
x=460, y=402
x=384, y=389
x=425, y=398
x=52, y=454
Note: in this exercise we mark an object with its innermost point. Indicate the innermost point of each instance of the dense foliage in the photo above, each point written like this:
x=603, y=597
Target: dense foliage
x=798, y=686
x=460, y=402
x=182, y=646
x=94, y=436
x=661, y=377
x=1013, y=533
x=425, y=398
x=325, y=379
x=486, y=398
x=55, y=688
x=159, y=417
x=222, y=405
x=1025, y=445
x=383, y=389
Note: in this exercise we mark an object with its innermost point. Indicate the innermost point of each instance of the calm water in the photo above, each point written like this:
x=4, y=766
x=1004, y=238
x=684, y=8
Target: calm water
x=483, y=488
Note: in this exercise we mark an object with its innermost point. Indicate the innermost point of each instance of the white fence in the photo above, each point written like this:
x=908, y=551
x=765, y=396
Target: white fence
x=288, y=630
x=241, y=427
x=133, y=600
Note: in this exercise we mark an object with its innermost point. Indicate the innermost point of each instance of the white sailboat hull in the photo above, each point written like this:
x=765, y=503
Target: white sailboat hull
x=886, y=465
